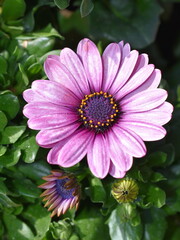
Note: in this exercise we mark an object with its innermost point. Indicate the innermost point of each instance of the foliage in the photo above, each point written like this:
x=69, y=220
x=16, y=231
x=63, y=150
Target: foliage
x=31, y=30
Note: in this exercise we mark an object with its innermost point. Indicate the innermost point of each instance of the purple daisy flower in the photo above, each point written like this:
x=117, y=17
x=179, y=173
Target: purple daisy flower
x=104, y=107
x=62, y=192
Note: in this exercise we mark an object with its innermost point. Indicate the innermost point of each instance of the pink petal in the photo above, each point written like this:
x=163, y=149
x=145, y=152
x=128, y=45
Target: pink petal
x=111, y=60
x=120, y=159
x=148, y=132
x=67, y=204
x=52, y=121
x=126, y=49
x=125, y=71
x=92, y=63
x=55, y=57
x=74, y=150
x=98, y=158
x=135, y=81
x=129, y=141
x=51, y=136
x=141, y=62
x=144, y=101
x=152, y=82
x=35, y=109
x=31, y=96
x=57, y=72
x=115, y=172
x=159, y=116
x=52, y=157
x=55, y=93
x=75, y=67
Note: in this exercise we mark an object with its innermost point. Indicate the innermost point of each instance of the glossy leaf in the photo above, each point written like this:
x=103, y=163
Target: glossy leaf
x=90, y=225
x=36, y=170
x=97, y=191
x=27, y=188
x=3, y=64
x=17, y=229
x=155, y=223
x=39, y=218
x=11, y=134
x=156, y=177
x=29, y=148
x=3, y=120
x=3, y=149
x=6, y=202
x=10, y=158
x=9, y=104
x=142, y=24
x=13, y=10
x=123, y=230
x=62, y=3
x=156, y=196
x=86, y=7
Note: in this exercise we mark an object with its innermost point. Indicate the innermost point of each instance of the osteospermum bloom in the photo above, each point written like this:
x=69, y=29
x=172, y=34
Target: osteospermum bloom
x=125, y=190
x=62, y=192
x=104, y=107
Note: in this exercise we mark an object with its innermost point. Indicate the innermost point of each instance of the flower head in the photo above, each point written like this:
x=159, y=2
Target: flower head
x=104, y=107
x=125, y=190
x=62, y=192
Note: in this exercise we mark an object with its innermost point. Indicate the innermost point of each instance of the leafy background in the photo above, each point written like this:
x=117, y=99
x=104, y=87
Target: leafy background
x=29, y=31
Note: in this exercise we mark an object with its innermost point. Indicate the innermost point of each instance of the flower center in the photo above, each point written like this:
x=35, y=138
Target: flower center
x=64, y=191
x=98, y=111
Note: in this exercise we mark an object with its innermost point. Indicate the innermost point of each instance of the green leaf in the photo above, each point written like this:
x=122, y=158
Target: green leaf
x=40, y=46
x=123, y=230
x=10, y=158
x=47, y=32
x=29, y=20
x=139, y=29
x=3, y=188
x=62, y=4
x=157, y=177
x=17, y=229
x=34, y=68
x=39, y=218
x=12, y=10
x=7, y=202
x=36, y=170
x=11, y=134
x=154, y=223
x=156, y=196
x=97, y=191
x=26, y=187
x=9, y=104
x=86, y=7
x=21, y=79
x=3, y=64
x=128, y=213
x=156, y=159
x=4, y=199
x=3, y=120
x=124, y=8
x=3, y=150
x=29, y=61
x=29, y=148
x=90, y=225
